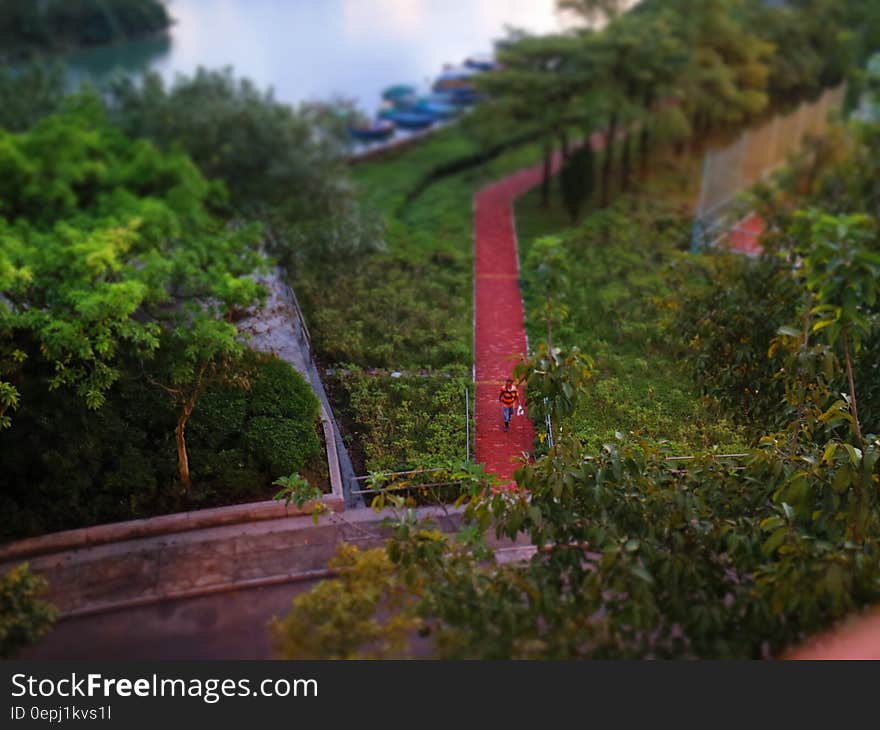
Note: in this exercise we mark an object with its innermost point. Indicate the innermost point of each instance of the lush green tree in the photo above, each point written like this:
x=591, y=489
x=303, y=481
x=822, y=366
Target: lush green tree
x=284, y=166
x=726, y=311
x=30, y=94
x=320, y=625
x=538, y=80
x=107, y=241
x=203, y=351
x=725, y=80
x=66, y=466
x=111, y=250
x=24, y=616
x=577, y=180
x=842, y=272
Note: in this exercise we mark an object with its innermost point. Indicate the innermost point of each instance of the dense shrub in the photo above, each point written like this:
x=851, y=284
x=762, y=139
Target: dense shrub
x=726, y=311
x=391, y=313
x=283, y=164
x=409, y=421
x=609, y=280
x=24, y=616
x=30, y=94
x=67, y=467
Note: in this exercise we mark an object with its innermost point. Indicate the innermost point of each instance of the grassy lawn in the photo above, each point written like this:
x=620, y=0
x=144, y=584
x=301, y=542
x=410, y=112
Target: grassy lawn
x=615, y=290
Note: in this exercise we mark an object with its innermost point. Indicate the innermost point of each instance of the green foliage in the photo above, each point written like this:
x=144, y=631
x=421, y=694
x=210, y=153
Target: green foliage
x=268, y=428
x=448, y=481
x=93, y=252
x=338, y=619
x=67, y=467
x=272, y=419
x=112, y=268
x=392, y=311
x=281, y=443
x=413, y=420
x=639, y=555
x=576, y=179
x=841, y=271
x=24, y=617
x=816, y=283
x=554, y=380
x=726, y=310
x=614, y=293
x=298, y=490
x=30, y=94
x=286, y=166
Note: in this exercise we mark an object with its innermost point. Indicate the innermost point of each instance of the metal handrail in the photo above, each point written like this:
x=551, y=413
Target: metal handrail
x=407, y=486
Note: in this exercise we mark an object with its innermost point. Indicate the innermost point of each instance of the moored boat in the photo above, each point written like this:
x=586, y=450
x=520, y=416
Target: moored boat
x=373, y=131
x=459, y=95
x=439, y=106
x=399, y=93
x=407, y=118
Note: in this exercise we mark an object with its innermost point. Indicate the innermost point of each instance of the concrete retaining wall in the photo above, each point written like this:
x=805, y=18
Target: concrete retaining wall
x=164, y=525
x=135, y=572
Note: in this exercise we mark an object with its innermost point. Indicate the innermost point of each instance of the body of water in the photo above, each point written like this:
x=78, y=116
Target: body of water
x=309, y=50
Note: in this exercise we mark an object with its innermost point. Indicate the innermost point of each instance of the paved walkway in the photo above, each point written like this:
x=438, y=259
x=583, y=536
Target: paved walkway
x=499, y=320
x=744, y=237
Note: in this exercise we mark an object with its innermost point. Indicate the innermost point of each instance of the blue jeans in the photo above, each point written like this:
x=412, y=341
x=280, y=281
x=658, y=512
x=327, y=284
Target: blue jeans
x=507, y=412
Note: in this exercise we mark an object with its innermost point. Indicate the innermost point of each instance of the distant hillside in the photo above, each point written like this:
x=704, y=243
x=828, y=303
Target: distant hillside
x=33, y=27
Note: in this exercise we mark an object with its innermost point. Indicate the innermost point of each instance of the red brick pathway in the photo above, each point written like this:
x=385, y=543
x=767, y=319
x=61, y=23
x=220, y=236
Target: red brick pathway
x=744, y=237
x=499, y=328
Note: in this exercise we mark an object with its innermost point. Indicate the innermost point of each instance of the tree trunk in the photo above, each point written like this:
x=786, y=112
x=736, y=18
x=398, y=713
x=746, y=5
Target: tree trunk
x=563, y=145
x=608, y=162
x=625, y=163
x=548, y=169
x=626, y=156
x=645, y=133
x=180, y=436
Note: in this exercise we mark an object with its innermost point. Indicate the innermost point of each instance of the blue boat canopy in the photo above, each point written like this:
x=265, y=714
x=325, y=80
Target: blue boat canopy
x=398, y=91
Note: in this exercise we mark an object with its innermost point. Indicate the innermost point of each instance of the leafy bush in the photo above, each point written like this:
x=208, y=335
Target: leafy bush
x=391, y=313
x=408, y=421
x=245, y=437
x=286, y=166
x=67, y=467
x=281, y=445
x=608, y=290
x=279, y=391
x=30, y=94
x=24, y=617
x=338, y=618
x=726, y=310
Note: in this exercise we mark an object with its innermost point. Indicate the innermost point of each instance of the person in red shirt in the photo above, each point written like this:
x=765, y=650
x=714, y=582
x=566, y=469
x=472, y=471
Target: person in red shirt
x=509, y=397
